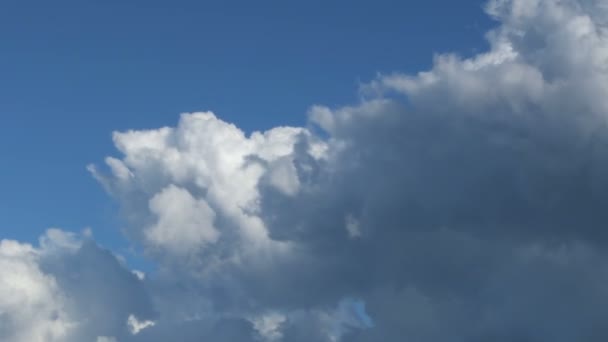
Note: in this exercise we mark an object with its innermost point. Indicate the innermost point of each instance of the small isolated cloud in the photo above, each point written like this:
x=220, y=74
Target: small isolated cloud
x=106, y=339
x=462, y=203
x=269, y=326
x=135, y=326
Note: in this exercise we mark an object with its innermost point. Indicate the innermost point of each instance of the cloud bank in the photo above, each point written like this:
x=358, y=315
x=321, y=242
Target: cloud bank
x=463, y=203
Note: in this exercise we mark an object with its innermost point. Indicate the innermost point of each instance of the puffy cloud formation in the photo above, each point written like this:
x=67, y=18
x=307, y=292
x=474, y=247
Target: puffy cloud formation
x=66, y=289
x=31, y=307
x=464, y=203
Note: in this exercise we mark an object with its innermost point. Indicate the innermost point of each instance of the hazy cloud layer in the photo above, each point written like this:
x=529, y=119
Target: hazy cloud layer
x=463, y=203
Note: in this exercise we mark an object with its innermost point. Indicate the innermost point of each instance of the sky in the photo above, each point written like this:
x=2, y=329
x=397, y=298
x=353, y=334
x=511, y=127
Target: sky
x=353, y=171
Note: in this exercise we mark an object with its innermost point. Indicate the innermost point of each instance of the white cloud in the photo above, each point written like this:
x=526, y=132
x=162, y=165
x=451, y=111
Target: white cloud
x=282, y=175
x=209, y=158
x=135, y=326
x=269, y=326
x=139, y=274
x=31, y=304
x=66, y=290
x=352, y=226
x=183, y=223
x=106, y=339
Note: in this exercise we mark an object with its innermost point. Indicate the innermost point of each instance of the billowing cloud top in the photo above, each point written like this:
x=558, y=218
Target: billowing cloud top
x=463, y=203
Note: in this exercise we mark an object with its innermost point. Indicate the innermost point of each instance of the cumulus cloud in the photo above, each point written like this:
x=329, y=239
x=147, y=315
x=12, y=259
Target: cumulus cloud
x=66, y=289
x=31, y=306
x=183, y=222
x=446, y=201
x=463, y=203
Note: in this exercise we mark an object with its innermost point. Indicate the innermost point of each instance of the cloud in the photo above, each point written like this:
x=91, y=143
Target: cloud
x=446, y=201
x=66, y=289
x=31, y=306
x=135, y=326
x=463, y=203
x=105, y=339
x=183, y=222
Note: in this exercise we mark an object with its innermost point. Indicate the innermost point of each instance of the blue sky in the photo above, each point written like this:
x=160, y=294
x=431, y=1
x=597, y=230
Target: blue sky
x=74, y=71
